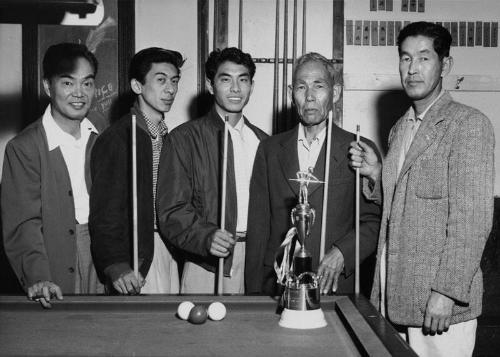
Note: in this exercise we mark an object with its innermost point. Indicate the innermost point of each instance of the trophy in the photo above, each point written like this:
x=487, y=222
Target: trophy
x=301, y=297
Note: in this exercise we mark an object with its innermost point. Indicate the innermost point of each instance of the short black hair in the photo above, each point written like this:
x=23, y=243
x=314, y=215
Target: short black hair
x=231, y=54
x=143, y=60
x=440, y=36
x=61, y=59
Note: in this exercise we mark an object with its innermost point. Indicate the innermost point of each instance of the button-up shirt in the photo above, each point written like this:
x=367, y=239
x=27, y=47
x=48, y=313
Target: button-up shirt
x=73, y=151
x=245, y=144
x=156, y=133
x=308, y=154
x=412, y=125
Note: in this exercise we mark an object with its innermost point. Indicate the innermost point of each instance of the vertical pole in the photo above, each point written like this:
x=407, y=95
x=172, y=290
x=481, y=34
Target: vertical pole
x=240, y=25
x=276, y=69
x=284, y=92
x=304, y=18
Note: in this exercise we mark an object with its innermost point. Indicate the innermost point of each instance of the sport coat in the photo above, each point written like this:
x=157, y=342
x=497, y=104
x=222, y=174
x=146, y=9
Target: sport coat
x=273, y=196
x=437, y=213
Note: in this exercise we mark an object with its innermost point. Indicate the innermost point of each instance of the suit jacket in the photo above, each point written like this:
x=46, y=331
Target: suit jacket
x=38, y=211
x=110, y=219
x=437, y=213
x=273, y=195
x=189, y=187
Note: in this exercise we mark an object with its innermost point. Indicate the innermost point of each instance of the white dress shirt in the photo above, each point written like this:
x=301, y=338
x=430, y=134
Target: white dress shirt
x=245, y=144
x=308, y=154
x=73, y=151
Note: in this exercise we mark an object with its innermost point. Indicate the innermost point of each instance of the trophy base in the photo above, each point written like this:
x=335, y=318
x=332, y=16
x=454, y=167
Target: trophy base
x=304, y=320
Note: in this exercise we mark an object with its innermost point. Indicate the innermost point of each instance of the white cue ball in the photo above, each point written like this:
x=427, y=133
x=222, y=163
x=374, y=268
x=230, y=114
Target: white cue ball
x=184, y=309
x=216, y=311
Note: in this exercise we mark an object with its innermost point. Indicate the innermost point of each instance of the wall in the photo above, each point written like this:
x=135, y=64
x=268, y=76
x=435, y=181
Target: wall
x=11, y=88
x=373, y=96
x=372, y=92
x=177, y=20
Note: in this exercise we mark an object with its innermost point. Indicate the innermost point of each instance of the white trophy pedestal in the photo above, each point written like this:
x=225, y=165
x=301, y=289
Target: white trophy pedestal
x=302, y=319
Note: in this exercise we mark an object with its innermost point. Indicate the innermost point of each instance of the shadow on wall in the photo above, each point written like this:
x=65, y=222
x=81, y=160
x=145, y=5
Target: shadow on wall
x=390, y=106
x=200, y=105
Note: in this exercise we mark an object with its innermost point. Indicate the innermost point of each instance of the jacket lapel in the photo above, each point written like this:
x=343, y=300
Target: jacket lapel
x=289, y=160
x=426, y=134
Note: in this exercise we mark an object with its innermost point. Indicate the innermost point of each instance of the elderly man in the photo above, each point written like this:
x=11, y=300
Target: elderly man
x=437, y=182
x=273, y=195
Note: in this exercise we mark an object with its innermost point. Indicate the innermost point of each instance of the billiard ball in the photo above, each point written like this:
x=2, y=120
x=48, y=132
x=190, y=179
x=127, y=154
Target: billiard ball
x=198, y=315
x=184, y=309
x=216, y=311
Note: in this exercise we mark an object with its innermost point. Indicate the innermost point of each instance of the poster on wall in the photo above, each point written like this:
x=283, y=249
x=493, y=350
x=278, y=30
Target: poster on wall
x=102, y=41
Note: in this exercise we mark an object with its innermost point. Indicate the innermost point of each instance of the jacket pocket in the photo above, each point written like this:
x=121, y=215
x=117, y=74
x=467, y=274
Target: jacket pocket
x=432, y=179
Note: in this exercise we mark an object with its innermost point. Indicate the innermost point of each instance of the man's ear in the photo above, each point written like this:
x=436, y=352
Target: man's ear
x=46, y=86
x=209, y=86
x=136, y=86
x=447, y=63
x=337, y=91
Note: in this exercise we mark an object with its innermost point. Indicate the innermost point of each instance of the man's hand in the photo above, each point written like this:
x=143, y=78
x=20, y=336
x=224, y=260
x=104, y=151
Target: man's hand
x=43, y=291
x=437, y=316
x=222, y=242
x=329, y=270
x=128, y=283
x=364, y=157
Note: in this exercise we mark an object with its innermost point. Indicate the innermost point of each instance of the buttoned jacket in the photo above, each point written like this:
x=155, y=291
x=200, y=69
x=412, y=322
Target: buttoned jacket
x=38, y=213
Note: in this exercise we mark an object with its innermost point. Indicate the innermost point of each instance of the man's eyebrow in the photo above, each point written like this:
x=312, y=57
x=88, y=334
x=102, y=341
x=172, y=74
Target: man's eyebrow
x=67, y=75
x=166, y=75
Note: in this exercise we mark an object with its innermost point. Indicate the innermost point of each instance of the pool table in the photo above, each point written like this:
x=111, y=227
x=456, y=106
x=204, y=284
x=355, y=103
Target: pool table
x=148, y=326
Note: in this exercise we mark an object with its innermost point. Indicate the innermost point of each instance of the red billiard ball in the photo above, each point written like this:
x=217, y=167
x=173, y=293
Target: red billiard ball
x=198, y=315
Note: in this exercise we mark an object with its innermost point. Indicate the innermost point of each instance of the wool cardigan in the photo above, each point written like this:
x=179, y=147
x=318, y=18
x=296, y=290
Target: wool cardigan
x=38, y=214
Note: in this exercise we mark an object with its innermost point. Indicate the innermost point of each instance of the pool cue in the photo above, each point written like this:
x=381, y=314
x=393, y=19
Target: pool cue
x=356, y=271
x=325, y=191
x=220, y=277
x=134, y=197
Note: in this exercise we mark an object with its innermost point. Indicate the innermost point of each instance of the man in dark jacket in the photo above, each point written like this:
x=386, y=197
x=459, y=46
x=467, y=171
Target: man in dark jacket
x=274, y=195
x=189, y=186
x=154, y=76
x=45, y=183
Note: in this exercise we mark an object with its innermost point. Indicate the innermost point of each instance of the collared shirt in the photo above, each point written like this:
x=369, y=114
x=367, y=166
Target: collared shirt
x=156, y=132
x=245, y=144
x=412, y=125
x=73, y=151
x=308, y=154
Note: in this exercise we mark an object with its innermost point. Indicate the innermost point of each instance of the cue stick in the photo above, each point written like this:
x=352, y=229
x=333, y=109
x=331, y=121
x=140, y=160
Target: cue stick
x=220, y=276
x=134, y=197
x=325, y=191
x=356, y=276
x=276, y=68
